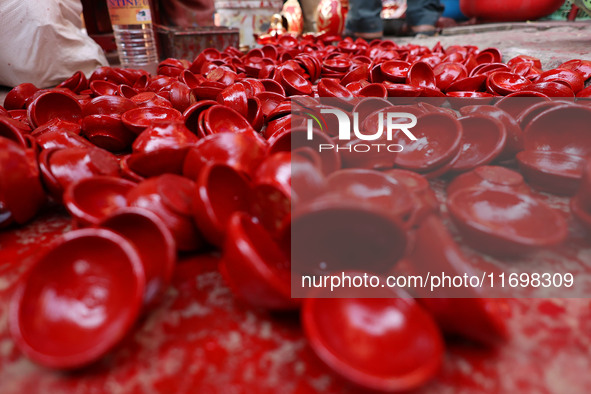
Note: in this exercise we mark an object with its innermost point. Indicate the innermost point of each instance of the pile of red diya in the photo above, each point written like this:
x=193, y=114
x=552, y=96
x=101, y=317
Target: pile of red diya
x=209, y=154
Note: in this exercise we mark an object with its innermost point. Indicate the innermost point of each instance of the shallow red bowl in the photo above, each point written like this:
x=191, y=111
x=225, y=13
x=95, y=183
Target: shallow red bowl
x=254, y=266
x=101, y=88
x=425, y=198
x=489, y=177
x=79, y=300
x=154, y=243
x=554, y=172
x=483, y=140
x=107, y=131
x=90, y=200
x=401, y=90
x=150, y=99
x=447, y=73
x=505, y=223
x=51, y=105
x=459, y=99
x=331, y=234
x=534, y=109
x=191, y=114
x=356, y=74
x=328, y=87
x=13, y=130
x=108, y=105
x=221, y=191
x=60, y=167
x=297, y=137
x=514, y=133
x=564, y=128
x=438, y=141
x=239, y=151
x=294, y=83
x=21, y=192
x=504, y=83
x=18, y=96
x=222, y=119
x=335, y=327
x=468, y=84
x=375, y=188
x=395, y=70
x=552, y=89
x=273, y=86
x=483, y=320
x=61, y=139
x=138, y=119
x=420, y=74
x=171, y=198
x=573, y=78
x=234, y=96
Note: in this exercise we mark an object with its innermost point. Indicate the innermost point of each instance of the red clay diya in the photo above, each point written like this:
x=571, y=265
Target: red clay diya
x=563, y=128
x=254, y=266
x=90, y=200
x=489, y=177
x=171, y=198
x=154, y=244
x=554, y=172
x=395, y=321
x=505, y=223
x=79, y=300
x=221, y=191
x=483, y=140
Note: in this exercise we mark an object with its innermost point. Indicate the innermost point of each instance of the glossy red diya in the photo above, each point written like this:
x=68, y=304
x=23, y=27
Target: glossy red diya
x=170, y=197
x=465, y=314
x=563, y=128
x=240, y=151
x=138, y=119
x=374, y=188
x=330, y=234
x=438, y=142
x=51, y=105
x=154, y=244
x=505, y=223
x=90, y=200
x=79, y=300
x=483, y=140
x=254, y=266
x=220, y=192
x=21, y=192
x=554, y=172
x=489, y=177
x=395, y=321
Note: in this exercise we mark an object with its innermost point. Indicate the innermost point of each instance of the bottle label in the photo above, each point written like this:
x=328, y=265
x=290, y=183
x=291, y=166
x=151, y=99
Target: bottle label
x=129, y=12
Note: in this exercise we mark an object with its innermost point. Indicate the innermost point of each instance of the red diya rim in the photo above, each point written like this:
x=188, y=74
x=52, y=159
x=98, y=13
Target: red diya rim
x=155, y=282
x=363, y=375
x=112, y=335
x=245, y=256
x=106, y=185
x=459, y=211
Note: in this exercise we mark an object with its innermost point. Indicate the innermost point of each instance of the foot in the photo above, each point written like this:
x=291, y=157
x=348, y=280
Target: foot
x=423, y=29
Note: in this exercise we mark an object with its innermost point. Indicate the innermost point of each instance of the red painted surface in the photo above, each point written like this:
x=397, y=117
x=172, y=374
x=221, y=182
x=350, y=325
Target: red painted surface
x=200, y=339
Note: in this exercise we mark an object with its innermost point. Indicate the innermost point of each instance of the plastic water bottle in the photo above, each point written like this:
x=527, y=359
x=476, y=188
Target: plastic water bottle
x=132, y=27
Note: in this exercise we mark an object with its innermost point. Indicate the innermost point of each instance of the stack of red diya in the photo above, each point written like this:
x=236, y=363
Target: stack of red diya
x=208, y=154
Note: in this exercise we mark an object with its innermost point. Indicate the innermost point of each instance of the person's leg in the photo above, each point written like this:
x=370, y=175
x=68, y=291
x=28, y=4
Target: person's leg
x=363, y=19
x=422, y=15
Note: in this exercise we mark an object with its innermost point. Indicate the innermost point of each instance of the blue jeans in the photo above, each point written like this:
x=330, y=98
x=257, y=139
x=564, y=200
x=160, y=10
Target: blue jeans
x=364, y=15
